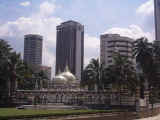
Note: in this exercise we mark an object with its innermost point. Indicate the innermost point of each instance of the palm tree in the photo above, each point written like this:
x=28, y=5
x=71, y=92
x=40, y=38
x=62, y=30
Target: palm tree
x=93, y=74
x=10, y=64
x=122, y=74
x=143, y=53
x=90, y=74
x=5, y=49
x=43, y=79
x=108, y=77
x=148, y=57
x=15, y=65
x=25, y=81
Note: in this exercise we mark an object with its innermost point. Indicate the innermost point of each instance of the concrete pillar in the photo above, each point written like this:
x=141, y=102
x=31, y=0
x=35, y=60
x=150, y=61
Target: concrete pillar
x=146, y=96
x=137, y=99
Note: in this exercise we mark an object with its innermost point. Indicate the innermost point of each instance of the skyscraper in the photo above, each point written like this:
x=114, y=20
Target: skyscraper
x=70, y=47
x=157, y=19
x=157, y=30
x=33, y=49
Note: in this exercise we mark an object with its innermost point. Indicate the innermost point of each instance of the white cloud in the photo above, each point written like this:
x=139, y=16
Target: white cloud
x=91, y=47
x=44, y=23
x=47, y=8
x=147, y=8
x=145, y=15
x=37, y=23
x=133, y=31
x=89, y=40
x=25, y=4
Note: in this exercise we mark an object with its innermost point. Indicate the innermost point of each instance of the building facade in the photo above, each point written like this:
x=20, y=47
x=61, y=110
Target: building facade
x=110, y=43
x=70, y=48
x=157, y=19
x=33, y=49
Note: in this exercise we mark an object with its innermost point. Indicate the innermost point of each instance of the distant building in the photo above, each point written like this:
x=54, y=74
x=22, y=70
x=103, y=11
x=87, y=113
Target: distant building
x=70, y=48
x=33, y=49
x=157, y=30
x=157, y=19
x=47, y=71
x=111, y=43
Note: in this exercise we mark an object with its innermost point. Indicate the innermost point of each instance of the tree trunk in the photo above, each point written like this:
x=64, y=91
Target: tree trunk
x=13, y=83
x=120, y=95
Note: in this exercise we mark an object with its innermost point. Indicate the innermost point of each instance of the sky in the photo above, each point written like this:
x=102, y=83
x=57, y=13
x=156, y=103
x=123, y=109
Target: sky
x=131, y=18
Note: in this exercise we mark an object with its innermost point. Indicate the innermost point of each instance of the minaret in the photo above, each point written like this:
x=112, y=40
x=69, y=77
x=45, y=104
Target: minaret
x=59, y=72
x=67, y=68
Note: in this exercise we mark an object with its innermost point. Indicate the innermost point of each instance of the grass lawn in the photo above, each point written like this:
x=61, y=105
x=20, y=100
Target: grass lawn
x=6, y=113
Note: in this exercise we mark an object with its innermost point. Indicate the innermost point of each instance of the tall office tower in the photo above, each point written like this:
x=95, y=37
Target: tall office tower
x=33, y=49
x=157, y=30
x=157, y=19
x=70, y=47
x=111, y=43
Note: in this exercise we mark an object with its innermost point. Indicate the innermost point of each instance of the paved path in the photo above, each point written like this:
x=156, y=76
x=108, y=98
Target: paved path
x=151, y=118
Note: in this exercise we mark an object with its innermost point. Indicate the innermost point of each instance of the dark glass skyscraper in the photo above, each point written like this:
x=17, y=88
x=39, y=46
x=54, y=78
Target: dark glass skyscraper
x=33, y=49
x=157, y=19
x=70, y=47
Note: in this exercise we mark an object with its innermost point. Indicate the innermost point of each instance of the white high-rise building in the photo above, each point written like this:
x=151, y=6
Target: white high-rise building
x=111, y=43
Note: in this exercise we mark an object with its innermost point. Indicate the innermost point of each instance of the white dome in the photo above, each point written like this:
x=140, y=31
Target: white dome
x=60, y=80
x=69, y=77
x=66, y=77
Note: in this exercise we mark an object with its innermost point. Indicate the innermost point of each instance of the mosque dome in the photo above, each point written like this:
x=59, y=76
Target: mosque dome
x=59, y=79
x=65, y=77
x=69, y=77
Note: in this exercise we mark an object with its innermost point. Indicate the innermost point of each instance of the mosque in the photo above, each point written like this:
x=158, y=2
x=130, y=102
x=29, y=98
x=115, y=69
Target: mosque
x=65, y=89
x=65, y=81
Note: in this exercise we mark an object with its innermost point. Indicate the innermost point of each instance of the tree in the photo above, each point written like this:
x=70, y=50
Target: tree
x=26, y=82
x=42, y=79
x=147, y=57
x=15, y=65
x=5, y=50
x=33, y=75
x=90, y=74
x=10, y=67
x=93, y=74
x=12, y=72
x=122, y=74
x=143, y=54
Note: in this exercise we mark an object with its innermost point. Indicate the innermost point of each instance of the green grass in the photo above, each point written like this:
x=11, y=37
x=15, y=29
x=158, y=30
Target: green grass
x=8, y=113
